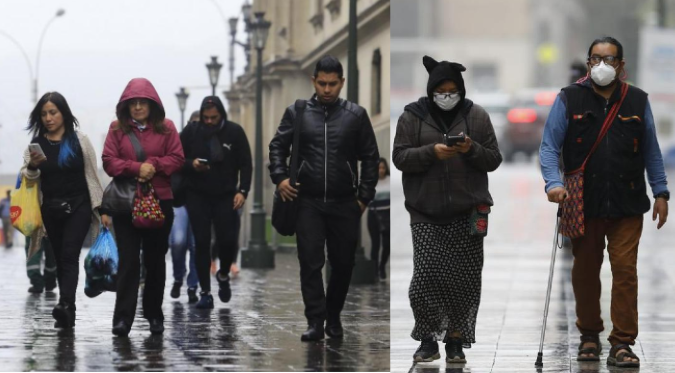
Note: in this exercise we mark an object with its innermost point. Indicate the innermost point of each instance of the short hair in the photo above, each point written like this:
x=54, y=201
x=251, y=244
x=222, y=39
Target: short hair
x=194, y=116
x=609, y=40
x=329, y=64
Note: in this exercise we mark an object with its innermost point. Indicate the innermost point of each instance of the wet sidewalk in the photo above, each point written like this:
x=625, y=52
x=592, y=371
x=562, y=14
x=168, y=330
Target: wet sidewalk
x=259, y=330
x=517, y=257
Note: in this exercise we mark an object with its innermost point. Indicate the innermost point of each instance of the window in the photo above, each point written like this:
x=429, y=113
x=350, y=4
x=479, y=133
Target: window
x=376, y=83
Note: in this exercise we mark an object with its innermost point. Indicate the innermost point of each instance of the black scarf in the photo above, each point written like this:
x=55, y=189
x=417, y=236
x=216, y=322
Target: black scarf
x=213, y=145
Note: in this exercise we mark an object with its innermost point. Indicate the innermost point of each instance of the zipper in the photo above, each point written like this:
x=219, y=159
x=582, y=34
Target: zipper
x=352, y=173
x=607, y=173
x=325, y=153
x=300, y=169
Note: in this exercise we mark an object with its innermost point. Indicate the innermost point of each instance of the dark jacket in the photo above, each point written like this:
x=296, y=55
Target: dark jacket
x=436, y=191
x=614, y=182
x=333, y=138
x=232, y=167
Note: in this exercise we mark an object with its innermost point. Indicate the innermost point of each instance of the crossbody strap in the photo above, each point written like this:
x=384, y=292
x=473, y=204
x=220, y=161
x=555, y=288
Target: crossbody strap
x=297, y=125
x=140, y=153
x=606, y=125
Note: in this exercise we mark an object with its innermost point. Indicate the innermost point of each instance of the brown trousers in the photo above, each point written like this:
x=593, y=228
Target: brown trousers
x=623, y=236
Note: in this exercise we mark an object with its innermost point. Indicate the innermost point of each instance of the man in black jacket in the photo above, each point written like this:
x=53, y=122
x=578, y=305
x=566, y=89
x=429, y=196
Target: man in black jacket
x=335, y=134
x=217, y=157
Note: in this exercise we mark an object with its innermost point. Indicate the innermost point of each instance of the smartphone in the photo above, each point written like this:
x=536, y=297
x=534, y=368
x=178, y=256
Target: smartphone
x=203, y=161
x=36, y=148
x=450, y=140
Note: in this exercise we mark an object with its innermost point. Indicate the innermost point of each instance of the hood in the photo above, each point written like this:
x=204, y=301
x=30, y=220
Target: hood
x=440, y=72
x=420, y=108
x=141, y=88
x=212, y=100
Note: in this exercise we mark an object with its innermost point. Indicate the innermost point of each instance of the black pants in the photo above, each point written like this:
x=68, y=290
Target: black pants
x=155, y=246
x=203, y=212
x=378, y=227
x=333, y=225
x=66, y=232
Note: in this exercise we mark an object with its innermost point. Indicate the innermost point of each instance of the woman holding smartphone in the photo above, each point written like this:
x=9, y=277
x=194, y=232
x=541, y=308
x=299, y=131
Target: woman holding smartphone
x=140, y=113
x=447, y=196
x=63, y=161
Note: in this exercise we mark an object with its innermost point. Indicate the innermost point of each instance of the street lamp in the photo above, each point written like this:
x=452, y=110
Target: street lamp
x=58, y=14
x=258, y=254
x=182, y=97
x=246, y=11
x=214, y=72
x=233, y=34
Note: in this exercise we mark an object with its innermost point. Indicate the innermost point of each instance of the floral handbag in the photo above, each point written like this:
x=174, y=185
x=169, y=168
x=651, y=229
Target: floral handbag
x=572, y=224
x=478, y=221
x=146, y=213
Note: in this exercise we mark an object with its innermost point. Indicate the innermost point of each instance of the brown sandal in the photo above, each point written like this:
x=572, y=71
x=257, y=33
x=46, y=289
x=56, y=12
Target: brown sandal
x=618, y=359
x=595, y=352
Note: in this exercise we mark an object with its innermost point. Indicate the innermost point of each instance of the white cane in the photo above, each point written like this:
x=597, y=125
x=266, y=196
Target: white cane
x=539, y=362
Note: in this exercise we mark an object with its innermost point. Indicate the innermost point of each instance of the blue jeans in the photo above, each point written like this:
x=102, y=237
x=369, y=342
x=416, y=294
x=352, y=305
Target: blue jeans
x=181, y=240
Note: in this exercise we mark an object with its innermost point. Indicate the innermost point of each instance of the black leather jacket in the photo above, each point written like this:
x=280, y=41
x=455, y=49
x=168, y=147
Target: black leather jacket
x=333, y=138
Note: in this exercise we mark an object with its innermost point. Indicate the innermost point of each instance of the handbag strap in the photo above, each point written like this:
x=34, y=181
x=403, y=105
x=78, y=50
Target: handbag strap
x=609, y=119
x=297, y=125
x=140, y=153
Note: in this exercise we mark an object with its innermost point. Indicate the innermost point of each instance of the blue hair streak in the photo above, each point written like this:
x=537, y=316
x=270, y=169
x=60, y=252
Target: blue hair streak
x=68, y=151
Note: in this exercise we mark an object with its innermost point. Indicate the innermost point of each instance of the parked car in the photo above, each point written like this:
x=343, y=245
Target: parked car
x=525, y=121
x=496, y=104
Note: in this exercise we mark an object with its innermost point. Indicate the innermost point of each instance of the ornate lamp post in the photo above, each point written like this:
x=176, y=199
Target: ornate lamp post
x=182, y=97
x=258, y=254
x=214, y=72
x=58, y=14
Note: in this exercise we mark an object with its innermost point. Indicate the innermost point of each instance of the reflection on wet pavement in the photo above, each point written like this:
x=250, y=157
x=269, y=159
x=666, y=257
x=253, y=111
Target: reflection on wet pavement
x=517, y=254
x=259, y=330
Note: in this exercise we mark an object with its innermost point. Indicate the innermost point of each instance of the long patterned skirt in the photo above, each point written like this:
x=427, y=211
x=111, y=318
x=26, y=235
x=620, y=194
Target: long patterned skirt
x=446, y=284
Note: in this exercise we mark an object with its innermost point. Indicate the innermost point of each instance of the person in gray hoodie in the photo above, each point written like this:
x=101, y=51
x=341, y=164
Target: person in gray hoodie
x=445, y=146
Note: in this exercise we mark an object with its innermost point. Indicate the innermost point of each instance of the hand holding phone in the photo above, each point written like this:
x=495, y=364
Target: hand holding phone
x=200, y=164
x=450, y=140
x=37, y=155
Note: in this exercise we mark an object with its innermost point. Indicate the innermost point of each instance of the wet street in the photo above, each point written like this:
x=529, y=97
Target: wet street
x=517, y=257
x=259, y=330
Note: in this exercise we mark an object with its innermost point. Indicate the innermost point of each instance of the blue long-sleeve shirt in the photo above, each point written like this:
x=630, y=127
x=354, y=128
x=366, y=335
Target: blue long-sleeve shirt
x=554, y=137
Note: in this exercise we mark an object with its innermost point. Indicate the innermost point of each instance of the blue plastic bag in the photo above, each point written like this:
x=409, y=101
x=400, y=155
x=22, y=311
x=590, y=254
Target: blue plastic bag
x=101, y=265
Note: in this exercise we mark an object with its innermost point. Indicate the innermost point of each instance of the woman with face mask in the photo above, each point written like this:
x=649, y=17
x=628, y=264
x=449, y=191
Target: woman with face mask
x=445, y=146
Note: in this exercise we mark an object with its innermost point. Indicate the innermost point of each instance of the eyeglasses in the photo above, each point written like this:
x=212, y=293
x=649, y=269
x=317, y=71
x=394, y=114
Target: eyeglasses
x=142, y=102
x=444, y=95
x=609, y=60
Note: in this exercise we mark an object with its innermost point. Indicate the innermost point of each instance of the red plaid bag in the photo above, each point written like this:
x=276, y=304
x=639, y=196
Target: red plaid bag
x=572, y=222
x=146, y=213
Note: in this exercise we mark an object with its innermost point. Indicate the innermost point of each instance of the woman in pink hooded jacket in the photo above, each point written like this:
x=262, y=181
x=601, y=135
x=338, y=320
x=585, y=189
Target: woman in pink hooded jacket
x=140, y=112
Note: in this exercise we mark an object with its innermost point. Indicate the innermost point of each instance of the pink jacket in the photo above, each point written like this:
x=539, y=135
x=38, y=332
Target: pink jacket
x=163, y=151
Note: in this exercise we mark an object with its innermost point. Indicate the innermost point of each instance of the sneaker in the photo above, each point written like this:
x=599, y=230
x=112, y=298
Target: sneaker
x=175, y=290
x=205, y=302
x=35, y=290
x=156, y=326
x=453, y=351
x=427, y=352
x=64, y=314
x=192, y=295
x=224, y=291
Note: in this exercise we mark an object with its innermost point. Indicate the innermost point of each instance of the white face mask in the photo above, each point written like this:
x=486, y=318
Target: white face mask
x=603, y=74
x=446, y=101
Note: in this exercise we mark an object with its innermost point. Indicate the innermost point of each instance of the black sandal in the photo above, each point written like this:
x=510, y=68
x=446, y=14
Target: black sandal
x=595, y=352
x=453, y=351
x=617, y=359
